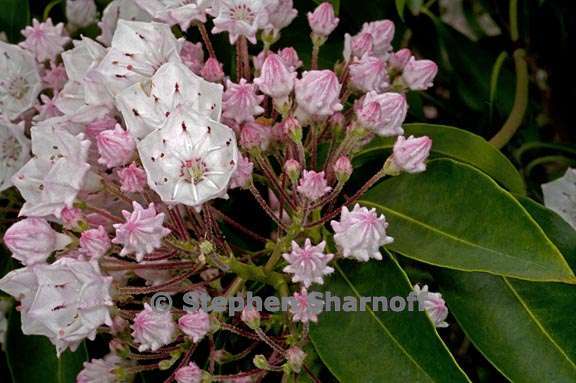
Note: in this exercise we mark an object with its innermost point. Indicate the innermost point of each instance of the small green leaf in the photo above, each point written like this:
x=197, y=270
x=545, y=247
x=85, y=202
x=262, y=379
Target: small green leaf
x=14, y=16
x=457, y=144
x=380, y=346
x=33, y=358
x=400, y=5
x=455, y=216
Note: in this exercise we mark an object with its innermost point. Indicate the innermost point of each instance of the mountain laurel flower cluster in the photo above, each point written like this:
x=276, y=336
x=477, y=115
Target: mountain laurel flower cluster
x=145, y=164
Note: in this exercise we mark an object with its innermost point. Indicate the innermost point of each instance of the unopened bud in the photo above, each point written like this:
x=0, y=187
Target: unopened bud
x=343, y=169
x=292, y=169
x=251, y=317
x=261, y=362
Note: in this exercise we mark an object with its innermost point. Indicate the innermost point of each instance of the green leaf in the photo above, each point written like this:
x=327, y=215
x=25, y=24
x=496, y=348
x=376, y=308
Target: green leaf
x=457, y=144
x=14, y=17
x=33, y=358
x=455, y=216
x=380, y=346
x=400, y=5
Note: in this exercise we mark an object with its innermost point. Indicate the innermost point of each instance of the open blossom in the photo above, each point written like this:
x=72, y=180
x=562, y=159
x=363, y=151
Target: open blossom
x=212, y=70
x=192, y=54
x=142, y=232
x=303, y=308
x=419, y=74
x=560, y=196
x=116, y=147
x=100, y=370
x=360, y=233
x=188, y=374
x=176, y=12
x=322, y=20
x=14, y=151
x=44, y=40
x=318, y=93
x=280, y=15
x=410, y=154
x=119, y=10
x=195, y=324
x=433, y=304
x=308, y=263
x=190, y=160
x=275, y=79
x=240, y=101
x=382, y=113
x=94, y=243
x=132, y=179
x=51, y=180
x=240, y=18
x=313, y=185
x=146, y=108
x=382, y=32
x=20, y=81
x=153, y=329
x=369, y=74
x=137, y=51
x=66, y=301
x=243, y=174
x=81, y=13
x=32, y=240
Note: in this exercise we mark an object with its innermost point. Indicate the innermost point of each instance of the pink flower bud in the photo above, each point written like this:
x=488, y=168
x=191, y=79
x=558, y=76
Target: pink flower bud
x=343, y=169
x=94, y=243
x=313, y=185
x=192, y=55
x=292, y=128
x=153, y=329
x=132, y=179
x=337, y=120
x=251, y=317
x=419, y=74
x=116, y=147
x=292, y=168
x=357, y=46
x=94, y=128
x=195, y=324
x=382, y=32
x=243, y=174
x=322, y=20
x=295, y=358
x=255, y=135
x=275, y=79
x=212, y=70
x=369, y=74
x=71, y=217
x=398, y=60
x=290, y=58
x=318, y=93
x=382, y=113
x=189, y=374
x=410, y=154
x=240, y=102
x=32, y=240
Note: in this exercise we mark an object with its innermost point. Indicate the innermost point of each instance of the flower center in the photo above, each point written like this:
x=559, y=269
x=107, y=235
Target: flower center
x=193, y=170
x=242, y=13
x=10, y=150
x=18, y=87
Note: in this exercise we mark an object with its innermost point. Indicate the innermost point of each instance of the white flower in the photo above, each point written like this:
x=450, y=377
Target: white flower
x=360, y=233
x=119, y=10
x=138, y=50
x=190, y=159
x=146, y=106
x=240, y=17
x=66, y=301
x=20, y=82
x=81, y=13
x=308, y=263
x=560, y=196
x=51, y=180
x=433, y=304
x=172, y=12
x=14, y=151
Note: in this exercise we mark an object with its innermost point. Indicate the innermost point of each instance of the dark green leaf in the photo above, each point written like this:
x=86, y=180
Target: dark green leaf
x=14, y=16
x=457, y=144
x=380, y=346
x=33, y=358
x=455, y=216
x=400, y=5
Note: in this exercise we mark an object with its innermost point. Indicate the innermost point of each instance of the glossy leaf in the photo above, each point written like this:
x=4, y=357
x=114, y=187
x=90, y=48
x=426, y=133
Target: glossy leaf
x=33, y=358
x=14, y=17
x=455, y=216
x=380, y=346
x=457, y=144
